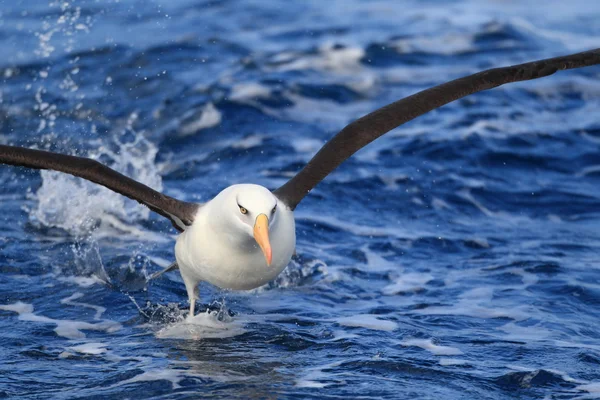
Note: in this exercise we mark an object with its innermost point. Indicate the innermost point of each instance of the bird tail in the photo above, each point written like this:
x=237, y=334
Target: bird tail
x=171, y=267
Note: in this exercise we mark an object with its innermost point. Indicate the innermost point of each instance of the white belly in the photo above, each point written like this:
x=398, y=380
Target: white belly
x=205, y=255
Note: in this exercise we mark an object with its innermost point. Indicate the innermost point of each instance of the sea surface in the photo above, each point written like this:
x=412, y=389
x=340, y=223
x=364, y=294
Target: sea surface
x=456, y=257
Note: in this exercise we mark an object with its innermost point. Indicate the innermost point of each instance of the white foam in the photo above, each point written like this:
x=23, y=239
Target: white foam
x=593, y=388
x=427, y=344
x=467, y=195
x=377, y=263
x=90, y=348
x=76, y=205
x=527, y=278
x=77, y=295
x=408, y=282
x=203, y=326
x=65, y=328
x=81, y=281
x=93, y=348
x=564, y=376
x=571, y=41
x=328, y=58
x=452, y=361
x=449, y=44
x=168, y=374
x=249, y=91
x=315, y=375
x=307, y=145
x=328, y=113
x=343, y=335
x=210, y=117
x=368, y=321
x=18, y=307
x=311, y=382
x=524, y=333
x=247, y=142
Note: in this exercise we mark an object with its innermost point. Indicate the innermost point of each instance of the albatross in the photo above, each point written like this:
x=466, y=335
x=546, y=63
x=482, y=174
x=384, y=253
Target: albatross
x=245, y=236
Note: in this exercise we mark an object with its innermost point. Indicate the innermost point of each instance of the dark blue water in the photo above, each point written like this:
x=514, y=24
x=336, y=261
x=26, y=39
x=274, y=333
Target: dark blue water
x=457, y=256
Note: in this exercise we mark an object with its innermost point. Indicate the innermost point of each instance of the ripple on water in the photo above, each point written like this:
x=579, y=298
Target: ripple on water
x=454, y=257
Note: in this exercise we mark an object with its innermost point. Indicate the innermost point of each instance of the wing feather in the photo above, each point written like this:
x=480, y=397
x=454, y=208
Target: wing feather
x=368, y=128
x=180, y=213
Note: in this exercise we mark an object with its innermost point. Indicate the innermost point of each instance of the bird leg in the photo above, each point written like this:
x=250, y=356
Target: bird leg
x=193, y=295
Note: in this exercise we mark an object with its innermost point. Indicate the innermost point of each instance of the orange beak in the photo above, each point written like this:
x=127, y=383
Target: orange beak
x=261, y=235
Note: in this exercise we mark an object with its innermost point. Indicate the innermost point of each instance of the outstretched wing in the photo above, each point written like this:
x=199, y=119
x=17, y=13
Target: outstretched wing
x=180, y=213
x=368, y=128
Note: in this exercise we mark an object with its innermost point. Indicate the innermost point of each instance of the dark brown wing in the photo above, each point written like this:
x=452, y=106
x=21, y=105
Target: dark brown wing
x=180, y=213
x=368, y=128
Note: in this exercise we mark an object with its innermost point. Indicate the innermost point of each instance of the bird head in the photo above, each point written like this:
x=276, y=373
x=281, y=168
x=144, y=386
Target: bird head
x=250, y=212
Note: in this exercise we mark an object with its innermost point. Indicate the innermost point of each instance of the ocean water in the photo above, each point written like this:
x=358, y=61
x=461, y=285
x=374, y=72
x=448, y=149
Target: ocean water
x=457, y=256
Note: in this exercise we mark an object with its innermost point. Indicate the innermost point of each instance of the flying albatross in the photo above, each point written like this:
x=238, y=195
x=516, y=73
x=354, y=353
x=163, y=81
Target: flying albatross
x=245, y=236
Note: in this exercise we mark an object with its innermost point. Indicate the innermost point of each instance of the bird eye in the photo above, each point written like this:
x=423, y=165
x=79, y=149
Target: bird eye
x=274, y=209
x=243, y=210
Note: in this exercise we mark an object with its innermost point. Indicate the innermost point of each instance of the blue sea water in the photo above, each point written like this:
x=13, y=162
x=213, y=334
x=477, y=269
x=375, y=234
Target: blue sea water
x=457, y=256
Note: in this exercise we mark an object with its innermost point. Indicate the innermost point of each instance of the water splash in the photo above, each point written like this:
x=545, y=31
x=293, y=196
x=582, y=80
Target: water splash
x=89, y=211
x=61, y=31
x=80, y=207
x=211, y=324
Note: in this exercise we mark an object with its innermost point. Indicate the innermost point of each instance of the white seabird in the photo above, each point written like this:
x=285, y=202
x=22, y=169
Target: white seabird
x=239, y=240
x=245, y=236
